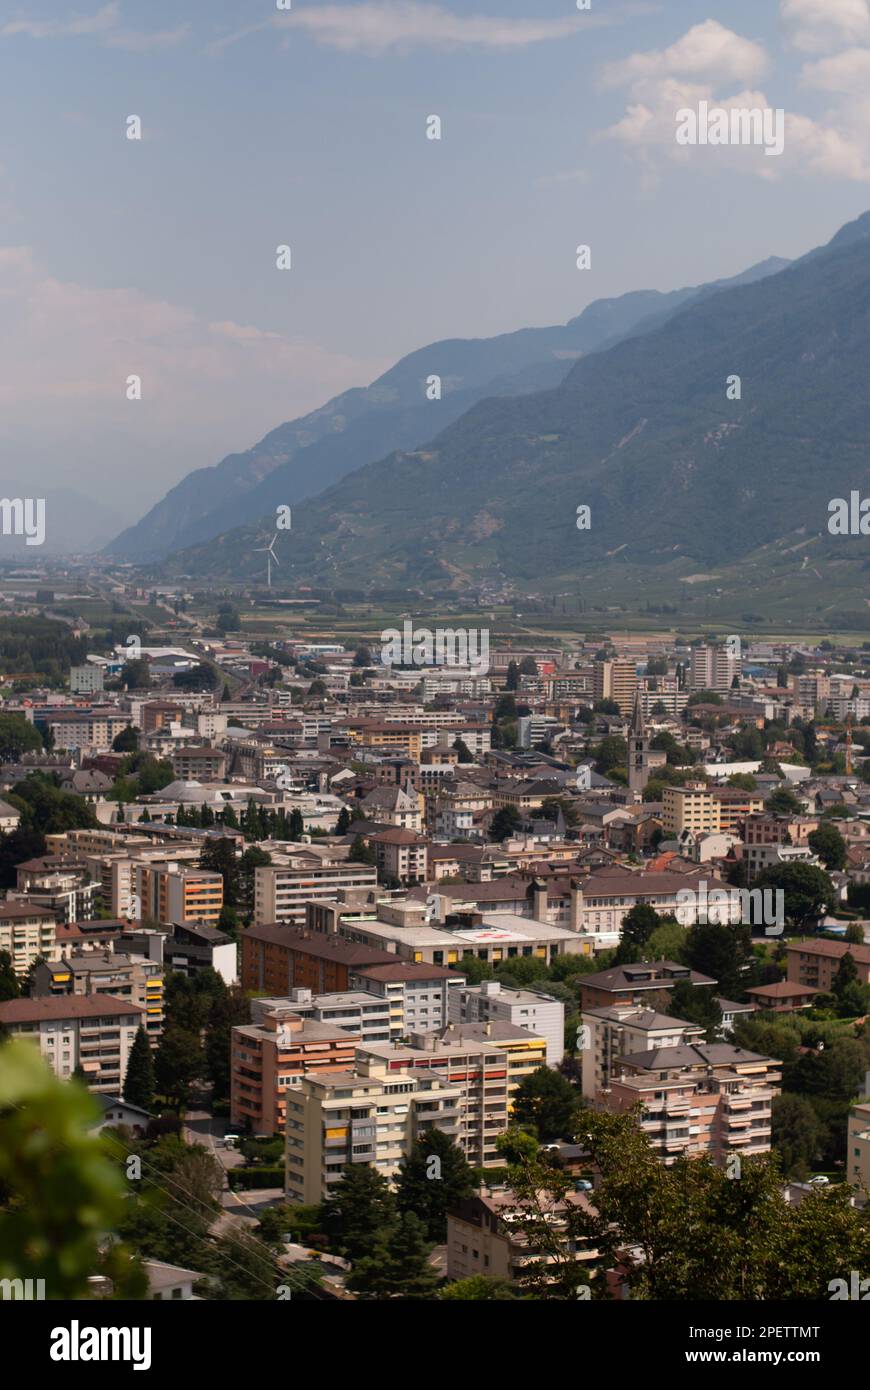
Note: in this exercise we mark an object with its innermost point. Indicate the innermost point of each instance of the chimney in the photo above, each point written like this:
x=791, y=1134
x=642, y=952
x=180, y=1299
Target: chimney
x=539, y=901
x=487, y=1028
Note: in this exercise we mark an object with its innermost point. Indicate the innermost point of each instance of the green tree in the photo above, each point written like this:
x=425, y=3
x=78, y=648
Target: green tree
x=434, y=1177
x=546, y=1104
x=639, y=923
x=228, y=1010
x=127, y=741
x=783, y=802
x=724, y=952
x=297, y=824
x=612, y=752
x=139, y=1081
x=398, y=1266
x=342, y=825
x=478, y=1288
x=219, y=856
x=504, y=823
x=808, y=892
x=697, y=1005
x=798, y=1135
x=9, y=986
x=179, y=1062
x=829, y=845
x=358, y=1210
x=361, y=853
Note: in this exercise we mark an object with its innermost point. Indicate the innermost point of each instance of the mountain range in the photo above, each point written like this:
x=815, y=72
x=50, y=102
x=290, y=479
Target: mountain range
x=301, y=458
x=691, y=489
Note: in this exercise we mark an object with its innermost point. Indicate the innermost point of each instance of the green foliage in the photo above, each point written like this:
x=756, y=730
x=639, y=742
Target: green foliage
x=358, y=1212
x=39, y=645
x=434, y=1177
x=398, y=1266
x=808, y=892
x=139, y=1081
x=59, y=1194
x=546, y=1104
x=829, y=845
x=504, y=823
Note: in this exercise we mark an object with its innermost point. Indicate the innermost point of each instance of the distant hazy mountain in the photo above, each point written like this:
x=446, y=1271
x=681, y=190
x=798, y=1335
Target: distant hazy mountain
x=74, y=523
x=299, y=459
x=681, y=480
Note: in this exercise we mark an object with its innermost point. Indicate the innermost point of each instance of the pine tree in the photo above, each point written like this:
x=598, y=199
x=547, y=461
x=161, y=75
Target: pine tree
x=433, y=1178
x=297, y=824
x=360, y=1209
x=343, y=823
x=139, y=1081
x=398, y=1265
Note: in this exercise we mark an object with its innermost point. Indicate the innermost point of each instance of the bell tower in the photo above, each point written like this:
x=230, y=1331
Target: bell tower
x=638, y=751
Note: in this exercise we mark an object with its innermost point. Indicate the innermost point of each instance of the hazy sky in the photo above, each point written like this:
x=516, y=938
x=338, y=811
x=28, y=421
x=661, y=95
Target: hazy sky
x=264, y=127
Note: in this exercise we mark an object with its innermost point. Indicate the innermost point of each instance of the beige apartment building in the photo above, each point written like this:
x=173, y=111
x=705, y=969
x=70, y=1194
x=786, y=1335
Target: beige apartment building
x=615, y=680
x=612, y=1031
x=91, y=1032
x=133, y=978
x=816, y=961
x=858, y=1145
x=699, y=1099
x=370, y=1114
x=702, y=810
x=270, y=1058
x=482, y=1237
x=281, y=890
x=27, y=932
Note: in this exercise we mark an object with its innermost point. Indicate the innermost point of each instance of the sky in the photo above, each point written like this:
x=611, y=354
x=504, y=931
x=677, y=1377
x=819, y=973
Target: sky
x=307, y=128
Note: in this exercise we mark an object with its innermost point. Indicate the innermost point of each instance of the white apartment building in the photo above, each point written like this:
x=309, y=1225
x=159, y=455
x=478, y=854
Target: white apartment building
x=609, y=1032
x=532, y=1009
x=281, y=891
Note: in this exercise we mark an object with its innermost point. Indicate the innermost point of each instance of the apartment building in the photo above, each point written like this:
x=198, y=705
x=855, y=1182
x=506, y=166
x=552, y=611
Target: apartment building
x=278, y=959
x=85, y=729
x=599, y=903
x=628, y=984
x=187, y=948
x=531, y=1009
x=700, y=809
x=615, y=680
x=484, y=1239
x=27, y=932
x=816, y=962
x=607, y=1033
x=858, y=1145
x=171, y=892
x=481, y=1070
x=497, y=937
x=699, y=1099
x=713, y=667
x=371, y=1114
x=199, y=764
x=94, y=1032
x=86, y=680
x=418, y=995
x=357, y=1011
x=281, y=890
x=133, y=978
x=400, y=854
x=271, y=1056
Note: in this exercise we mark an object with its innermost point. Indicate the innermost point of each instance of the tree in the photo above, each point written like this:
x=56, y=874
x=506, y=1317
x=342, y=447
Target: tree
x=697, y=1005
x=528, y=666
x=398, y=1266
x=639, y=923
x=127, y=741
x=504, y=823
x=9, y=986
x=479, y=1288
x=358, y=1210
x=829, y=845
x=178, y=1063
x=783, y=802
x=361, y=853
x=362, y=656
x=342, y=825
x=512, y=681
x=297, y=824
x=808, y=892
x=244, y=1268
x=462, y=748
x=317, y=690
x=135, y=675
x=546, y=1104
x=139, y=1081
x=434, y=1177
x=722, y=951
x=219, y=856
x=667, y=942
x=546, y=1213
x=228, y=1010
x=611, y=752
x=798, y=1134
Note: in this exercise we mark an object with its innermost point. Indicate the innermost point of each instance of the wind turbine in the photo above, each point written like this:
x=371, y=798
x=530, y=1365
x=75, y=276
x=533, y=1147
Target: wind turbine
x=270, y=556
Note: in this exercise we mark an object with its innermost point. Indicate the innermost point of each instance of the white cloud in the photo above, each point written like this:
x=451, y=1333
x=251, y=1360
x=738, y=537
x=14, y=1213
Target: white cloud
x=66, y=351
x=104, y=24
x=816, y=25
x=379, y=26
x=707, y=50
x=847, y=72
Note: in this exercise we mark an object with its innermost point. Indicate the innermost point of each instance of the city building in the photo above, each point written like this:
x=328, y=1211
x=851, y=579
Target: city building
x=610, y=1031
x=123, y=977
x=532, y=1009
x=94, y=1032
x=272, y=1055
x=816, y=961
x=27, y=933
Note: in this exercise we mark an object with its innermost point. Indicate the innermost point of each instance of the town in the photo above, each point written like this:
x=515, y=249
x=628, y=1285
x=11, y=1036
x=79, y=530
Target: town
x=374, y=980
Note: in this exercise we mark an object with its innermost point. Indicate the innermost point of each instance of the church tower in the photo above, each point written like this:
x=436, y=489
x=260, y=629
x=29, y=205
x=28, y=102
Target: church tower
x=638, y=751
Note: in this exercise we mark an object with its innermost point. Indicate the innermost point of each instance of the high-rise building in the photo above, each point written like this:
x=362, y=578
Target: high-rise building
x=616, y=680
x=638, y=751
x=713, y=668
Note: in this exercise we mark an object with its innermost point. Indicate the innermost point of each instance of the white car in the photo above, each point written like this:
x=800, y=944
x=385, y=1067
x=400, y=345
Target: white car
x=820, y=1180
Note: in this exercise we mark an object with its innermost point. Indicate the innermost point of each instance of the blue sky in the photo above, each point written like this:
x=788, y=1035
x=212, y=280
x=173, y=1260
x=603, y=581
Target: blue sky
x=260, y=128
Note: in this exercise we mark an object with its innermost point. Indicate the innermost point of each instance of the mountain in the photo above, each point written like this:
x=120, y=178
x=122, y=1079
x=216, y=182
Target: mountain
x=74, y=522
x=687, y=489
x=299, y=459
